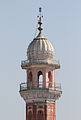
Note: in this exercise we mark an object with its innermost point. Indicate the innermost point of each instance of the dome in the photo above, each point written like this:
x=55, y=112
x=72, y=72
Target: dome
x=40, y=49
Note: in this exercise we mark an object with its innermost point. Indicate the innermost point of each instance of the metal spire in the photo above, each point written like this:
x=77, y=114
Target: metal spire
x=40, y=20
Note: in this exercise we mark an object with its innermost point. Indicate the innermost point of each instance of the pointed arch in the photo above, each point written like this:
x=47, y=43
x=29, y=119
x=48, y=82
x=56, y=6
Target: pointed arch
x=40, y=79
x=30, y=115
x=40, y=115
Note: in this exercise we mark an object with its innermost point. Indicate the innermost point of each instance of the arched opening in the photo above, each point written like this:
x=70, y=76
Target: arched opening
x=40, y=79
x=50, y=79
x=30, y=115
x=40, y=115
x=30, y=76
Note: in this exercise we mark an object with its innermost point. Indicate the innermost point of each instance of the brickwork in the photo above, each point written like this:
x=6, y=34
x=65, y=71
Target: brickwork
x=40, y=111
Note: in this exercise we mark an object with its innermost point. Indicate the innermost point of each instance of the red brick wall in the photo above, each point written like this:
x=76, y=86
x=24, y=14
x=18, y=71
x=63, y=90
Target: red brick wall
x=40, y=111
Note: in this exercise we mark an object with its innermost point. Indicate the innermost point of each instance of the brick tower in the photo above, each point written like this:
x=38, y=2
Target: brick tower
x=40, y=91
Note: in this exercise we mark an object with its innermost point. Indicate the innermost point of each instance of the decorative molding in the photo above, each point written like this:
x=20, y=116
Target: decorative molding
x=40, y=95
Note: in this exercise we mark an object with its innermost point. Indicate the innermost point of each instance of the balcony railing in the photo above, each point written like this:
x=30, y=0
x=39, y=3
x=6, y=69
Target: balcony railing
x=25, y=62
x=35, y=85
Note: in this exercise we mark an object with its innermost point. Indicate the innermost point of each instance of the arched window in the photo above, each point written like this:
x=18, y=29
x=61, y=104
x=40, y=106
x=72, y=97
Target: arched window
x=50, y=79
x=30, y=115
x=40, y=79
x=40, y=115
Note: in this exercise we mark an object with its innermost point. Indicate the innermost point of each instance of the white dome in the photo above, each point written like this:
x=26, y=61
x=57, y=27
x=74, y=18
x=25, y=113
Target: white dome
x=40, y=49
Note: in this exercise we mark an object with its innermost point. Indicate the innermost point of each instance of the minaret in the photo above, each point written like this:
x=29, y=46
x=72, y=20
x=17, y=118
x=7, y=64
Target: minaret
x=40, y=92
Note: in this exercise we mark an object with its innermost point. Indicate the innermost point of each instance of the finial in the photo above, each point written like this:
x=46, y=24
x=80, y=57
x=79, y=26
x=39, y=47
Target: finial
x=40, y=20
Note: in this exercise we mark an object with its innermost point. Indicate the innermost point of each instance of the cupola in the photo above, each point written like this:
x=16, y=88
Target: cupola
x=40, y=49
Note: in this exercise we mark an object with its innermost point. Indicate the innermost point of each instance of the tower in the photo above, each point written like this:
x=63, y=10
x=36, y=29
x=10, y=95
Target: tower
x=40, y=91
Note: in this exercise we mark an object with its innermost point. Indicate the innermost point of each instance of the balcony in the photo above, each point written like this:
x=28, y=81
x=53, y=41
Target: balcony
x=31, y=93
x=27, y=63
x=31, y=85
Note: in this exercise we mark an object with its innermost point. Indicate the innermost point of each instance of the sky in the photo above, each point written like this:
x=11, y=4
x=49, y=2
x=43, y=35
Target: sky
x=62, y=27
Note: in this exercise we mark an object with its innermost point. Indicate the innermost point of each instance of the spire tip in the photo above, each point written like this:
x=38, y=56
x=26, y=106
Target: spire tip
x=40, y=20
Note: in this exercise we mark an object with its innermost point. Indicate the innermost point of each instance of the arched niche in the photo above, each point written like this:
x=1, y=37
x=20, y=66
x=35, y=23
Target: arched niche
x=40, y=79
x=40, y=115
x=30, y=115
x=30, y=76
x=50, y=79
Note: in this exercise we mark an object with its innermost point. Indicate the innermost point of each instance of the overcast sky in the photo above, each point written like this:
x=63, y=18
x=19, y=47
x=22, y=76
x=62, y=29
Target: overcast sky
x=62, y=27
